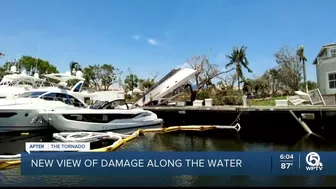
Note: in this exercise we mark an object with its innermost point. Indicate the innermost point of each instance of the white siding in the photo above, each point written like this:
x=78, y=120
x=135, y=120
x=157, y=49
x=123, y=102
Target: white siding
x=324, y=54
x=318, y=77
x=323, y=69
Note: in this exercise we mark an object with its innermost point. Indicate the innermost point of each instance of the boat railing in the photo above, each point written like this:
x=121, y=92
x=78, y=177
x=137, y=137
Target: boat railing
x=24, y=82
x=44, y=83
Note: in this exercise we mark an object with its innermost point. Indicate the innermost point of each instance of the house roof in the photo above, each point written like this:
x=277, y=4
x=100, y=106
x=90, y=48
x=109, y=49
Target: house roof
x=324, y=47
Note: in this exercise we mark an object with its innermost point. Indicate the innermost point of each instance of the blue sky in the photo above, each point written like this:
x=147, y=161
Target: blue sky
x=152, y=36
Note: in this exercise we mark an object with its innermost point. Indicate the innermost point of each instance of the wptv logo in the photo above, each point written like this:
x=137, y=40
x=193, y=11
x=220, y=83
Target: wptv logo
x=314, y=162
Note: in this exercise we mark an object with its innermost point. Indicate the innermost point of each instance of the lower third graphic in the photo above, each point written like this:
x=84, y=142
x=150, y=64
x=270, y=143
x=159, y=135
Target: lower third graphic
x=313, y=161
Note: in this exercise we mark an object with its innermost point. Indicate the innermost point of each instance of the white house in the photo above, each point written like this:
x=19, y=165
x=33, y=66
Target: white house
x=326, y=69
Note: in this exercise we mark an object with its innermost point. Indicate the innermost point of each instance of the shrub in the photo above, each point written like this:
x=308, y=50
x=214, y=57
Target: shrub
x=201, y=95
x=233, y=100
x=128, y=96
x=226, y=97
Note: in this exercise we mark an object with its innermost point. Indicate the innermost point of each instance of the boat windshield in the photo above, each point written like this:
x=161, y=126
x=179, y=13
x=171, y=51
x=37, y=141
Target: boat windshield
x=31, y=94
x=98, y=104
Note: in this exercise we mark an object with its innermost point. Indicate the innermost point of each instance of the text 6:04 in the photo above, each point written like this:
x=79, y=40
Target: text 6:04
x=286, y=156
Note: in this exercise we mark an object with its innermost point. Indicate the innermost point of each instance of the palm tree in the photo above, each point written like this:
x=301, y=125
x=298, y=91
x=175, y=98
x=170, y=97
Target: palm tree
x=303, y=59
x=131, y=82
x=238, y=59
x=2, y=54
x=74, y=66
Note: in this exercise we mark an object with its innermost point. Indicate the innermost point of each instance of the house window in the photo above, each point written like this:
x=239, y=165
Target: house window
x=333, y=52
x=332, y=80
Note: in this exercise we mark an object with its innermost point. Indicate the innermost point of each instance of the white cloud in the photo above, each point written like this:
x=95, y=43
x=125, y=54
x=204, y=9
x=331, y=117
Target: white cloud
x=136, y=37
x=152, y=41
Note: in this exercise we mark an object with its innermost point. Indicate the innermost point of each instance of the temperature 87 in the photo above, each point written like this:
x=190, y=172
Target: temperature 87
x=286, y=165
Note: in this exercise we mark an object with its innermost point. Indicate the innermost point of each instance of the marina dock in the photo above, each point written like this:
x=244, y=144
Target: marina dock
x=255, y=120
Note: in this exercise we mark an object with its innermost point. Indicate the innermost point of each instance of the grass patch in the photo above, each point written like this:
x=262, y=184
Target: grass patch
x=265, y=102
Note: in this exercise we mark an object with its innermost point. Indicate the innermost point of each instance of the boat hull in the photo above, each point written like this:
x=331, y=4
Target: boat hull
x=21, y=120
x=59, y=121
x=23, y=114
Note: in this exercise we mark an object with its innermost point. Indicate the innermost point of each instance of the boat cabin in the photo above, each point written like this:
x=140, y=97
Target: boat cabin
x=54, y=96
x=115, y=104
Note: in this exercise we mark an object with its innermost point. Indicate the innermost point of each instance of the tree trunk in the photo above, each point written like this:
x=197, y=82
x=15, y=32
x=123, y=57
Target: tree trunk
x=305, y=76
x=192, y=92
x=273, y=87
x=193, y=95
x=238, y=81
x=238, y=76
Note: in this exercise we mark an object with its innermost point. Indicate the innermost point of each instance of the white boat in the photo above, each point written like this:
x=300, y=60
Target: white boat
x=14, y=84
x=63, y=78
x=23, y=116
x=21, y=113
x=114, y=115
x=173, y=80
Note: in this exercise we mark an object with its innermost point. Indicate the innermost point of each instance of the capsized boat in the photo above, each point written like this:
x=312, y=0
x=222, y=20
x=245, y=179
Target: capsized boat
x=172, y=81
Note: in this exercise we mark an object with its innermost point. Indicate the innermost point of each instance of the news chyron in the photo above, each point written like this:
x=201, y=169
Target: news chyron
x=57, y=158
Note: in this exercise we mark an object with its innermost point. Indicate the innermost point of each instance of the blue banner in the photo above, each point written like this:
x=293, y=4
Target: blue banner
x=178, y=163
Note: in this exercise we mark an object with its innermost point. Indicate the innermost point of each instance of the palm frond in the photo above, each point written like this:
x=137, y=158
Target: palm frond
x=245, y=63
x=304, y=59
x=246, y=67
x=229, y=64
x=300, y=54
x=230, y=57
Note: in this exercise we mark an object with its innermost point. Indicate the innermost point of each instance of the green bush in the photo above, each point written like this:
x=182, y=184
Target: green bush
x=128, y=97
x=137, y=96
x=201, y=95
x=226, y=97
x=233, y=100
x=217, y=100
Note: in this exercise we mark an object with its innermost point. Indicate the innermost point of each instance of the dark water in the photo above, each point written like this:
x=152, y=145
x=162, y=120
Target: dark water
x=218, y=140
